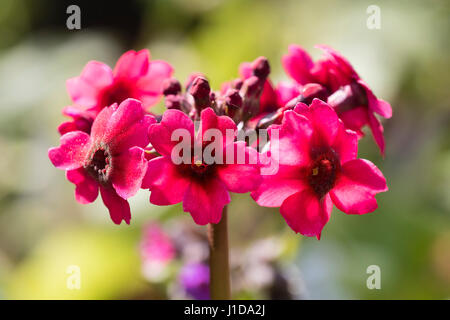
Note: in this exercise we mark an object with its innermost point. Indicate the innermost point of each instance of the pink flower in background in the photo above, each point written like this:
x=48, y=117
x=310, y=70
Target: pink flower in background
x=157, y=251
x=156, y=244
x=203, y=188
x=353, y=100
x=318, y=167
x=98, y=86
x=110, y=159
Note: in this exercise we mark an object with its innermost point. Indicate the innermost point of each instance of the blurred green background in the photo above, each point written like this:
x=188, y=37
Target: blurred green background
x=43, y=230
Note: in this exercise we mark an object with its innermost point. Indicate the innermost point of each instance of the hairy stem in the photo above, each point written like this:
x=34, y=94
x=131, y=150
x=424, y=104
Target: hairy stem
x=218, y=259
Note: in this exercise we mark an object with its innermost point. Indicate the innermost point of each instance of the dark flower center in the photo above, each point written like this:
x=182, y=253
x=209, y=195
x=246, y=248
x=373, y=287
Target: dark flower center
x=324, y=170
x=116, y=94
x=99, y=164
x=197, y=168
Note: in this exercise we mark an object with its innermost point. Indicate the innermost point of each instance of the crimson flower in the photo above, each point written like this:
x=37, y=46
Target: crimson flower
x=110, y=159
x=98, y=86
x=202, y=187
x=317, y=167
x=351, y=97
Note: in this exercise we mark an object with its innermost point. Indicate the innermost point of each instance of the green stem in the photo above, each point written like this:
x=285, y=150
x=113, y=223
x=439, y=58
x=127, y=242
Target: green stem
x=219, y=267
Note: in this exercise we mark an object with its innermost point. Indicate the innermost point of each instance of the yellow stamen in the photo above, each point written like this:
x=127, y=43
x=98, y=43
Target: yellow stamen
x=315, y=171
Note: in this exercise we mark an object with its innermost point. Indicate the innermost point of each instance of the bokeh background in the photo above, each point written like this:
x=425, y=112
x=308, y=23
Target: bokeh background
x=43, y=230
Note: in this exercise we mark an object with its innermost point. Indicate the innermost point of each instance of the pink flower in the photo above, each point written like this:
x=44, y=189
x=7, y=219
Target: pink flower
x=317, y=167
x=203, y=188
x=110, y=159
x=134, y=76
x=157, y=252
x=156, y=244
x=351, y=97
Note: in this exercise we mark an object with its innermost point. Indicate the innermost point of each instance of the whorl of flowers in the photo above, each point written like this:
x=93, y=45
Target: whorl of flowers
x=208, y=144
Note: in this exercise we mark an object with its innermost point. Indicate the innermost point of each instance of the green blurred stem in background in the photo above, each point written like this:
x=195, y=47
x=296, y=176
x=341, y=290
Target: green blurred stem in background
x=219, y=268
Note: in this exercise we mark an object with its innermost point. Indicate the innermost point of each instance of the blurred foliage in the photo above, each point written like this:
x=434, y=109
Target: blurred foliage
x=43, y=230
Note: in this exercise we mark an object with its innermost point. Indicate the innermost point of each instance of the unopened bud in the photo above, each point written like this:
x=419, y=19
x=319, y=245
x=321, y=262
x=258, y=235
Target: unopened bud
x=237, y=84
x=272, y=118
x=171, y=86
x=200, y=90
x=261, y=67
x=233, y=102
x=233, y=98
x=252, y=86
x=191, y=79
x=251, y=91
x=311, y=91
x=347, y=98
x=173, y=102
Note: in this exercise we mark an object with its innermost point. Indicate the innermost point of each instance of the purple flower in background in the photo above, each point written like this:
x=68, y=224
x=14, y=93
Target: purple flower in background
x=194, y=278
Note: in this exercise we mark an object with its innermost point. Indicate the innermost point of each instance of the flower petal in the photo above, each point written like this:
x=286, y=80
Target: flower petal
x=343, y=66
x=324, y=120
x=158, y=71
x=346, y=144
x=205, y=201
x=268, y=100
x=86, y=190
x=304, y=212
x=355, y=189
x=294, y=136
x=82, y=93
x=135, y=135
x=122, y=119
x=274, y=189
x=132, y=64
x=240, y=176
x=298, y=64
x=100, y=123
x=286, y=91
x=226, y=126
x=86, y=89
x=355, y=119
x=129, y=169
x=160, y=134
x=72, y=151
x=377, y=131
x=119, y=209
x=166, y=183
x=379, y=106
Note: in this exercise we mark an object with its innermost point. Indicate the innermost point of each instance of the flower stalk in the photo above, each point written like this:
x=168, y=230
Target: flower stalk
x=218, y=259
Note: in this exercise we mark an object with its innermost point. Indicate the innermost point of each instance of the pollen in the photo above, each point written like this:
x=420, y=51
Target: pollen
x=315, y=171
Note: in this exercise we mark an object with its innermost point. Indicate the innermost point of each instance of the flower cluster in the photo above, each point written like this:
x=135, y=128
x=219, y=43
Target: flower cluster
x=199, y=150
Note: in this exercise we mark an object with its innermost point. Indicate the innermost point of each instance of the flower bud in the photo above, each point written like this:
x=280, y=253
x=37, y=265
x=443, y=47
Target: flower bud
x=237, y=84
x=178, y=102
x=233, y=102
x=347, y=98
x=173, y=102
x=311, y=91
x=251, y=91
x=261, y=67
x=200, y=90
x=171, y=87
x=191, y=79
